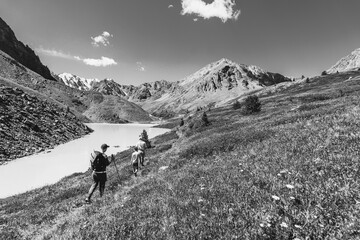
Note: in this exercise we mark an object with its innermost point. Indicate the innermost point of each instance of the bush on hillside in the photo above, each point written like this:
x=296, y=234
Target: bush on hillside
x=252, y=104
x=181, y=122
x=324, y=73
x=236, y=105
x=205, y=119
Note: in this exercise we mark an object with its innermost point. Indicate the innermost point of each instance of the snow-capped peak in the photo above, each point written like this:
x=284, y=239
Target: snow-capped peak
x=74, y=81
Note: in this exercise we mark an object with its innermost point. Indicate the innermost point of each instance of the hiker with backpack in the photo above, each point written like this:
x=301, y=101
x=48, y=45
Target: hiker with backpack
x=141, y=146
x=135, y=159
x=99, y=161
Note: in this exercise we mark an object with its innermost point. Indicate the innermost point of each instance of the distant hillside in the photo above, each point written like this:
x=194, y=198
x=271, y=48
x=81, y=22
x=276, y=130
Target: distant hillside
x=20, y=52
x=30, y=123
x=78, y=101
x=347, y=63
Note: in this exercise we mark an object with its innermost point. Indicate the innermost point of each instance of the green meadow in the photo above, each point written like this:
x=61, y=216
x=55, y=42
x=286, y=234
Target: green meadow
x=290, y=171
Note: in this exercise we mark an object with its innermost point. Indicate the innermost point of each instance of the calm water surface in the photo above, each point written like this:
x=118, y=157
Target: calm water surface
x=38, y=170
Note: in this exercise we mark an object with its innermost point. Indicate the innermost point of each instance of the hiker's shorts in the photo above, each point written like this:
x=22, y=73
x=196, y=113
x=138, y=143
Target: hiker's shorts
x=99, y=177
x=142, y=154
x=135, y=164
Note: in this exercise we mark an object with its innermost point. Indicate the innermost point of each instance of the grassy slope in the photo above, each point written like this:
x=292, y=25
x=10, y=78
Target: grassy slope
x=290, y=171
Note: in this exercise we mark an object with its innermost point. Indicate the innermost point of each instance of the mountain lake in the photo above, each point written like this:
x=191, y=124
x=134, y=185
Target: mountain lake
x=48, y=167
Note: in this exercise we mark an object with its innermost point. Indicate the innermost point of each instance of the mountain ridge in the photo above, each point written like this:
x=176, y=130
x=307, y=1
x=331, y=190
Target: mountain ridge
x=347, y=63
x=215, y=83
x=21, y=52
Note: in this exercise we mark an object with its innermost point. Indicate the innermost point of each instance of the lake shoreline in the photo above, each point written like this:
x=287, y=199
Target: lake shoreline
x=68, y=158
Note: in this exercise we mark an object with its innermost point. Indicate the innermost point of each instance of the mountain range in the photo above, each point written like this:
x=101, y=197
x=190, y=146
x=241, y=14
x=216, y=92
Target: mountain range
x=215, y=84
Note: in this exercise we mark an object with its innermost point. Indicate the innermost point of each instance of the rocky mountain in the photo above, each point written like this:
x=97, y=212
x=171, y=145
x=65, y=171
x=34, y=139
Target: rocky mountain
x=30, y=124
x=348, y=63
x=77, y=100
x=214, y=85
x=20, y=52
x=151, y=90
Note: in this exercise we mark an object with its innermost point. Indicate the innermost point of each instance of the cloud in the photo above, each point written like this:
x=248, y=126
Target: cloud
x=222, y=9
x=170, y=6
x=140, y=67
x=103, y=62
x=102, y=39
x=53, y=53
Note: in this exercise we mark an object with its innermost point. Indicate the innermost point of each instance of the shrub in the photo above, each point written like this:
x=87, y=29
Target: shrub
x=205, y=119
x=236, y=105
x=252, y=104
x=181, y=122
x=324, y=73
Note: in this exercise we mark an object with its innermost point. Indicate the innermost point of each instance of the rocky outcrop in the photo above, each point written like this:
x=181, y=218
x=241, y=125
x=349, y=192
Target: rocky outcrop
x=29, y=124
x=108, y=87
x=348, y=63
x=20, y=52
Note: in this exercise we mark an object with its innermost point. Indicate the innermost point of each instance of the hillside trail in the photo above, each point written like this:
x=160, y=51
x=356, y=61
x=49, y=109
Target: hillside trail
x=112, y=199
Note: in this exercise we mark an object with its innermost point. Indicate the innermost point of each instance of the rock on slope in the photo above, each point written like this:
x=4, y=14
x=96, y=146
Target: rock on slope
x=348, y=63
x=29, y=124
x=20, y=52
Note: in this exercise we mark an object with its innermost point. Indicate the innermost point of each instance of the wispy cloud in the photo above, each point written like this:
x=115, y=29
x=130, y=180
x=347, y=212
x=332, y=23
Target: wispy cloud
x=170, y=6
x=140, y=67
x=53, y=53
x=102, y=39
x=102, y=62
x=222, y=9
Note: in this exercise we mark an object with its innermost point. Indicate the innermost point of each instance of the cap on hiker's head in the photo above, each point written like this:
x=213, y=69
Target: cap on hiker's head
x=104, y=146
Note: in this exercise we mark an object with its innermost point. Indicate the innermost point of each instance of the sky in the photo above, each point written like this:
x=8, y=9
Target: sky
x=138, y=41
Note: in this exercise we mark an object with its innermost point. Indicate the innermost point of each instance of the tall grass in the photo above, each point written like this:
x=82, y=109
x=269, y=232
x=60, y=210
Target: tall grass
x=288, y=172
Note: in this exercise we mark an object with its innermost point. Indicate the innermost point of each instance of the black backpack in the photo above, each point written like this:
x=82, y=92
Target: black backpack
x=97, y=161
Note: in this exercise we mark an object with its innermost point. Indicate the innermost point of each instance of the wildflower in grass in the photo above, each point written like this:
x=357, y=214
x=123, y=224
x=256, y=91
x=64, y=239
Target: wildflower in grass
x=284, y=225
x=276, y=198
x=289, y=186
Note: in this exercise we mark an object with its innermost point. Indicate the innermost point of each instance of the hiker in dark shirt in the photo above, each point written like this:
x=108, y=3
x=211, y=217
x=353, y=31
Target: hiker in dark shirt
x=99, y=161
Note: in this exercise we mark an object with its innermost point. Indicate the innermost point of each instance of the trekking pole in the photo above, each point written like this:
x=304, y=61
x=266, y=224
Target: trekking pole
x=117, y=170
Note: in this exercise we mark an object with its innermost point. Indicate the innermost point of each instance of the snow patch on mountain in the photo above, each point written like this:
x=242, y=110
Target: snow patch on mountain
x=77, y=82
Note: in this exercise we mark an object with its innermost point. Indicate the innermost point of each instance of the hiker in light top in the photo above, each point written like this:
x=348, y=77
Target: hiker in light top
x=99, y=161
x=135, y=159
x=141, y=145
